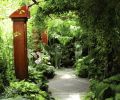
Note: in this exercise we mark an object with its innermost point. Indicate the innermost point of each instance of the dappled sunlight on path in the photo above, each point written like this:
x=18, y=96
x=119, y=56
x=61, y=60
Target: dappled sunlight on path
x=66, y=86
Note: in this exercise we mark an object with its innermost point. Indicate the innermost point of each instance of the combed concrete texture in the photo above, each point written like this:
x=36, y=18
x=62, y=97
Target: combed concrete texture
x=67, y=86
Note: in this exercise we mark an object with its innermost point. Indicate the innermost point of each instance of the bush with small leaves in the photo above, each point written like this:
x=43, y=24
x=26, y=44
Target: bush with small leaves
x=26, y=90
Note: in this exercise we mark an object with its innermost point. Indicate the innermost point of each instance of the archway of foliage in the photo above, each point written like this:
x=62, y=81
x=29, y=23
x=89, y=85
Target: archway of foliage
x=98, y=25
x=99, y=20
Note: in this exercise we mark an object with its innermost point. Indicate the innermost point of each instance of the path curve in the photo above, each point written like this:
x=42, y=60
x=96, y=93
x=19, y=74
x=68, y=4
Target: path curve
x=66, y=86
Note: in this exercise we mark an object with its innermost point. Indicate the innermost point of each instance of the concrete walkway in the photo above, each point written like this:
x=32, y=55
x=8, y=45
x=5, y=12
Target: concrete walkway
x=66, y=86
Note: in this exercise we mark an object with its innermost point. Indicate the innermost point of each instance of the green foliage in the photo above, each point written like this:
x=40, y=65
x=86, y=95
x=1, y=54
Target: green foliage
x=62, y=30
x=82, y=67
x=47, y=70
x=108, y=89
x=39, y=20
x=89, y=96
x=43, y=69
x=1, y=87
x=62, y=55
x=35, y=87
x=60, y=6
x=63, y=25
x=35, y=76
x=113, y=80
x=99, y=21
x=117, y=96
x=23, y=87
x=26, y=90
x=5, y=60
x=40, y=72
x=98, y=33
x=55, y=54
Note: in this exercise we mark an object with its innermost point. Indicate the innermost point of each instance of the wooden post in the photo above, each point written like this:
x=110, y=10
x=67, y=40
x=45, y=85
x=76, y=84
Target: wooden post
x=19, y=18
x=44, y=37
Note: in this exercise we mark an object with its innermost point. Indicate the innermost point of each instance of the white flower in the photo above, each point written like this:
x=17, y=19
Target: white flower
x=38, y=61
x=34, y=55
x=38, y=53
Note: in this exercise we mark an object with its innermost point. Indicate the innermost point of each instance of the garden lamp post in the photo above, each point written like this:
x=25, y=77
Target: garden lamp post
x=19, y=18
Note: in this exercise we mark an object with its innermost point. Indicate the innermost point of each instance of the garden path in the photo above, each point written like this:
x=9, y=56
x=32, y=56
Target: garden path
x=66, y=86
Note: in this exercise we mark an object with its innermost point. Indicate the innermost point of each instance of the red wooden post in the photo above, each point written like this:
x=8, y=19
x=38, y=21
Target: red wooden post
x=19, y=18
x=44, y=37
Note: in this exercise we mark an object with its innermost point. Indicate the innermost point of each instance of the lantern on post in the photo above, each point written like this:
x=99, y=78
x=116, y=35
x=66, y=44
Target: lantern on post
x=19, y=18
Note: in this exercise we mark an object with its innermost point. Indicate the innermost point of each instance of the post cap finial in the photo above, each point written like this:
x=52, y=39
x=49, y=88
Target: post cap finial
x=22, y=12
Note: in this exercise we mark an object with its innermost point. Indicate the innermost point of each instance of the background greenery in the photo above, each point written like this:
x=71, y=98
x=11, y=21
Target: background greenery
x=85, y=34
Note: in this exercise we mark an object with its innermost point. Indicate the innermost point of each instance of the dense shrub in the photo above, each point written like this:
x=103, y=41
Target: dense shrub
x=34, y=88
x=26, y=90
x=56, y=53
x=38, y=78
x=35, y=76
x=68, y=53
x=83, y=67
x=41, y=64
x=3, y=65
x=1, y=87
x=47, y=70
x=63, y=54
x=108, y=89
